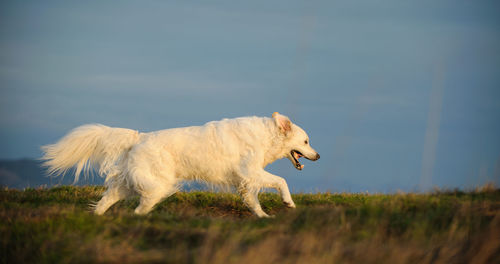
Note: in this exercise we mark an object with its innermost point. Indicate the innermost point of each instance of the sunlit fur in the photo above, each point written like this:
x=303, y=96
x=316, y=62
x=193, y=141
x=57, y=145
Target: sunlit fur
x=230, y=152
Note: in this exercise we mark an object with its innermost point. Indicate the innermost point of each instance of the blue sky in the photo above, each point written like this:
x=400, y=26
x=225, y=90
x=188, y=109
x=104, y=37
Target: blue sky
x=394, y=94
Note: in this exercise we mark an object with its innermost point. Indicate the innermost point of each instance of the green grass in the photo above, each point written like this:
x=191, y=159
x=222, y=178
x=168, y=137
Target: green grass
x=55, y=226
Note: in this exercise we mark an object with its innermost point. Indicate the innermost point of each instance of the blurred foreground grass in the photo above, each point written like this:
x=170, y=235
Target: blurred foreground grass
x=55, y=226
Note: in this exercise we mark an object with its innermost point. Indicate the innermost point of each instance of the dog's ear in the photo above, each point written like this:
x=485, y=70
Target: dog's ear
x=284, y=124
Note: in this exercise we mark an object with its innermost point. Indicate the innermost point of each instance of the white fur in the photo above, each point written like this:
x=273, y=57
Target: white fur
x=231, y=152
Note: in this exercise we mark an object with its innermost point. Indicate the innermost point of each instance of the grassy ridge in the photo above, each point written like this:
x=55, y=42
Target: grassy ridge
x=55, y=226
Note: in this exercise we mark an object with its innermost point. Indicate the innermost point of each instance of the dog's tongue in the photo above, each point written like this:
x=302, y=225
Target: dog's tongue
x=301, y=166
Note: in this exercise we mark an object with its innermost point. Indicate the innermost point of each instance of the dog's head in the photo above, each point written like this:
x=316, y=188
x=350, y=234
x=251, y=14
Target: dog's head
x=295, y=142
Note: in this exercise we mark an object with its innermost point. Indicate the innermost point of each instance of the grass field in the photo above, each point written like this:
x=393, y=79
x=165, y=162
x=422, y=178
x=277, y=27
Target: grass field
x=55, y=226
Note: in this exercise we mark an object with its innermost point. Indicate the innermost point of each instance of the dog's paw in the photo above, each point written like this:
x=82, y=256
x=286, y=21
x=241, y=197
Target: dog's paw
x=264, y=215
x=267, y=216
x=290, y=204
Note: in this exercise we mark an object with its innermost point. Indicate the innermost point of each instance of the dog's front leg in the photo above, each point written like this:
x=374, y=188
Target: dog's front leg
x=276, y=182
x=251, y=200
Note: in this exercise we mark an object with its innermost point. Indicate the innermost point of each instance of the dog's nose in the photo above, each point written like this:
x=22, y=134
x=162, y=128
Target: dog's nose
x=317, y=156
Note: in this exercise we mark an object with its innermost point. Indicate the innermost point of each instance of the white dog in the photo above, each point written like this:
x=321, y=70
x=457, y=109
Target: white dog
x=230, y=152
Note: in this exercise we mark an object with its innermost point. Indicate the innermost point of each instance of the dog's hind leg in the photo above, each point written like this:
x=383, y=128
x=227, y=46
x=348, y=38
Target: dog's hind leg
x=148, y=201
x=153, y=189
x=111, y=196
x=152, y=176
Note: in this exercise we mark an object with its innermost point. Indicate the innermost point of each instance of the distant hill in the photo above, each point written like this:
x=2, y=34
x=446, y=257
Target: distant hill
x=25, y=173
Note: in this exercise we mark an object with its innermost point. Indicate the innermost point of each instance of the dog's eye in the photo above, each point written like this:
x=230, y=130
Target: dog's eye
x=305, y=142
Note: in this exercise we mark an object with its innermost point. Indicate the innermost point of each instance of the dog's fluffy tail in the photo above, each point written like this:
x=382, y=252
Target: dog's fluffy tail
x=89, y=146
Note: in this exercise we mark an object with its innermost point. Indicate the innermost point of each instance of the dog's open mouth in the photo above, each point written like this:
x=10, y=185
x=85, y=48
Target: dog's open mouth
x=296, y=155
